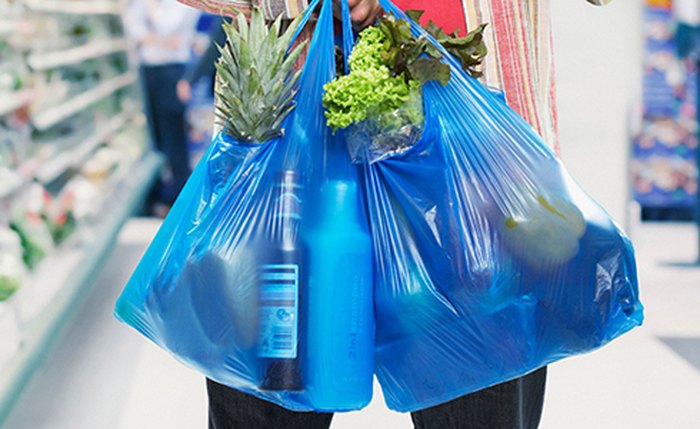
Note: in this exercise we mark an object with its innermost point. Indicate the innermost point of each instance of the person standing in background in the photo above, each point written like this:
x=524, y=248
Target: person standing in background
x=205, y=65
x=519, y=63
x=164, y=31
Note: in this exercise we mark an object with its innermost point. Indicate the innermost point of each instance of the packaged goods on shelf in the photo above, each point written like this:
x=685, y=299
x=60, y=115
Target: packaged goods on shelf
x=12, y=269
x=101, y=165
x=27, y=219
x=87, y=197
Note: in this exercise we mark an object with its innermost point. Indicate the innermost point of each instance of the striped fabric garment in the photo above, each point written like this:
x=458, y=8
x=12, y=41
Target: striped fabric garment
x=519, y=38
x=520, y=59
x=272, y=8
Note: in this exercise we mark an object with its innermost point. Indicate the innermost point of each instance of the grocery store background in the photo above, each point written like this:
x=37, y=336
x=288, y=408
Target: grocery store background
x=626, y=109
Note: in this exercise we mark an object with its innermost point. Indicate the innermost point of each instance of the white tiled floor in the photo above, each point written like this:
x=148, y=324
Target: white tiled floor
x=105, y=376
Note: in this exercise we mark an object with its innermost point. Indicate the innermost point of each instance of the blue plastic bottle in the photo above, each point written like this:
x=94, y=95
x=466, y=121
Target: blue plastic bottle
x=340, y=313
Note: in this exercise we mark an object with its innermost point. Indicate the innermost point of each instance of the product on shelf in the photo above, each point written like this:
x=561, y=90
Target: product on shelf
x=11, y=267
x=87, y=197
x=51, y=90
x=27, y=219
x=60, y=217
x=9, y=180
x=130, y=142
x=105, y=161
x=15, y=137
x=12, y=68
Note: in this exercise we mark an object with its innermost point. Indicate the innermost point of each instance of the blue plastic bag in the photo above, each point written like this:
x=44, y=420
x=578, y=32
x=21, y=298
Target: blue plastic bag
x=226, y=284
x=491, y=261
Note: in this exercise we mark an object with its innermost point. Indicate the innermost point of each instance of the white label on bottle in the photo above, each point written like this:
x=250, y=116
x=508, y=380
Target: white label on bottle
x=279, y=309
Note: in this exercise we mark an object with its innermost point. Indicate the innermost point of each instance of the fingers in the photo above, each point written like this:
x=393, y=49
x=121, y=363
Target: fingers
x=372, y=15
x=360, y=12
x=364, y=12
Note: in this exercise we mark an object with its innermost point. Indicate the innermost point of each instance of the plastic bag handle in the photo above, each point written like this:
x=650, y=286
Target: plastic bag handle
x=308, y=13
x=348, y=35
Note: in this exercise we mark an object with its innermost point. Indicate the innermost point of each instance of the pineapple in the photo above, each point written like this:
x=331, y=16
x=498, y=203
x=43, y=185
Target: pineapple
x=256, y=79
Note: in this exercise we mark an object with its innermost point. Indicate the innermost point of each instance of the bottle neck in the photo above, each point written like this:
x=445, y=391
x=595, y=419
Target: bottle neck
x=339, y=199
x=287, y=208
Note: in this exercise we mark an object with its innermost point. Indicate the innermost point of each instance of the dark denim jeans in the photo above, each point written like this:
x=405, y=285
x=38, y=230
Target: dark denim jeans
x=516, y=404
x=166, y=123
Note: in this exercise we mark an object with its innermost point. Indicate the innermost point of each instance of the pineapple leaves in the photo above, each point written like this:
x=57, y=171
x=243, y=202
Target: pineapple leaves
x=256, y=80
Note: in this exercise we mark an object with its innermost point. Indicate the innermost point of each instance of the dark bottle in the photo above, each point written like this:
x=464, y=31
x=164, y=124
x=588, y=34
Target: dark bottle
x=283, y=275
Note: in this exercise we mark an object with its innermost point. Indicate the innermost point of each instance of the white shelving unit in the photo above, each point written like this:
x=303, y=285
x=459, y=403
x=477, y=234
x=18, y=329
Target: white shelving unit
x=72, y=270
x=14, y=101
x=75, y=7
x=77, y=156
x=48, y=60
x=6, y=27
x=31, y=319
x=56, y=114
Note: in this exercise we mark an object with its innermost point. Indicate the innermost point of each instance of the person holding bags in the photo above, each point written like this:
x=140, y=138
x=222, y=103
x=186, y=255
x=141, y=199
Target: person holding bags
x=519, y=64
x=512, y=405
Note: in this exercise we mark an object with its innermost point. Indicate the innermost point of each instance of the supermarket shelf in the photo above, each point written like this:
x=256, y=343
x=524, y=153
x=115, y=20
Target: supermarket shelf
x=9, y=190
x=44, y=61
x=78, y=7
x=4, y=309
x=12, y=26
x=48, y=171
x=73, y=271
x=6, y=27
x=75, y=157
x=14, y=101
x=56, y=114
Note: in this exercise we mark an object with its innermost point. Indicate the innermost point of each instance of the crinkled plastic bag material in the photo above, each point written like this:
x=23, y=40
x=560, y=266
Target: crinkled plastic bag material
x=224, y=285
x=387, y=135
x=491, y=261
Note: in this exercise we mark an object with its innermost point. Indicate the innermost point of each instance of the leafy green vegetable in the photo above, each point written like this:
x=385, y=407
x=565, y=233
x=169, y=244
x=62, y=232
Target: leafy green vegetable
x=8, y=286
x=382, y=84
x=388, y=67
x=367, y=53
x=470, y=50
x=402, y=50
x=351, y=98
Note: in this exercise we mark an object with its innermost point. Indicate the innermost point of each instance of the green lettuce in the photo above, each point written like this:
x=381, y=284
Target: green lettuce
x=388, y=67
x=372, y=90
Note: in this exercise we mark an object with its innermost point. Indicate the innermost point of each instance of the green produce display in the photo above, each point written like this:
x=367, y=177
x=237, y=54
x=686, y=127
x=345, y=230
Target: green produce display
x=36, y=239
x=11, y=267
x=8, y=286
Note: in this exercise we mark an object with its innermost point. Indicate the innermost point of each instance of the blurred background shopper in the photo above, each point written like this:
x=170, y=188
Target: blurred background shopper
x=164, y=31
